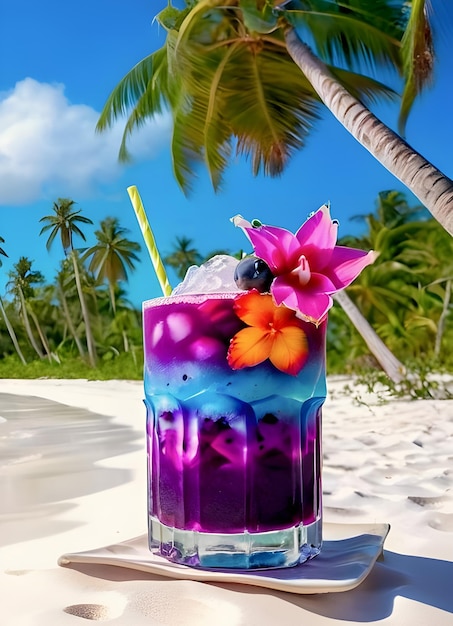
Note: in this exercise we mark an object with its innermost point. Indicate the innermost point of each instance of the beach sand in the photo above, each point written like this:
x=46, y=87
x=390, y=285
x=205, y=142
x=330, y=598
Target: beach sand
x=73, y=478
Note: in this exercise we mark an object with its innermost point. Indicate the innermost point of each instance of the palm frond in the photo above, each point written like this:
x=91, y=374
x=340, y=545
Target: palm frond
x=142, y=80
x=352, y=33
x=272, y=108
x=364, y=88
x=76, y=230
x=187, y=146
x=217, y=132
x=80, y=218
x=52, y=235
x=156, y=92
x=202, y=115
x=2, y=252
x=418, y=58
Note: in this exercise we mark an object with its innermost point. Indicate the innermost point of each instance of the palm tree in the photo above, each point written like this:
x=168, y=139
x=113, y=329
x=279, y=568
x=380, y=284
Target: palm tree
x=429, y=257
x=21, y=285
x=427, y=183
x=394, y=369
x=236, y=72
x=391, y=211
x=406, y=293
x=126, y=327
x=8, y=324
x=183, y=256
x=65, y=223
x=47, y=310
x=124, y=330
x=113, y=255
x=381, y=292
x=63, y=281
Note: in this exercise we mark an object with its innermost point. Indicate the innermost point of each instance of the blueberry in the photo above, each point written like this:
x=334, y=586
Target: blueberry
x=253, y=273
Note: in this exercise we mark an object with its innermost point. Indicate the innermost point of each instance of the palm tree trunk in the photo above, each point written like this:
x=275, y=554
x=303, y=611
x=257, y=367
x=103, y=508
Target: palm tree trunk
x=125, y=341
x=86, y=318
x=112, y=296
x=387, y=360
x=69, y=322
x=12, y=334
x=27, y=326
x=430, y=185
x=42, y=336
x=442, y=319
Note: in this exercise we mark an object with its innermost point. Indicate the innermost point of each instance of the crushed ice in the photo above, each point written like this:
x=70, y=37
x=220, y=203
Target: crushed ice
x=214, y=276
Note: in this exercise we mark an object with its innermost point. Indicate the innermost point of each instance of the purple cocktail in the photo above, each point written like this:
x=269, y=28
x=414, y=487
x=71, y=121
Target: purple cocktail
x=234, y=455
x=234, y=386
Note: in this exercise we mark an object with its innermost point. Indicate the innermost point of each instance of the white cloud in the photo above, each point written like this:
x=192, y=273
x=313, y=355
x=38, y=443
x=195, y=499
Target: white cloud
x=48, y=145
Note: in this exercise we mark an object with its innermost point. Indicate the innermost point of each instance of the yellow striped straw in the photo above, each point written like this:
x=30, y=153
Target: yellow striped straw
x=149, y=240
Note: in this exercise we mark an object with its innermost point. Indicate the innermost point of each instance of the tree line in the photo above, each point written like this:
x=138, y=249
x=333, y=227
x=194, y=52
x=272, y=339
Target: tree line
x=84, y=313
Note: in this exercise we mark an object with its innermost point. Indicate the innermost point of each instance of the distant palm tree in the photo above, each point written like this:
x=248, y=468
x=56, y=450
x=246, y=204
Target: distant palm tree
x=65, y=223
x=21, y=285
x=8, y=324
x=406, y=293
x=113, y=255
x=394, y=369
x=63, y=279
x=429, y=256
x=46, y=315
x=380, y=292
x=184, y=255
x=221, y=251
x=125, y=329
x=126, y=324
x=391, y=211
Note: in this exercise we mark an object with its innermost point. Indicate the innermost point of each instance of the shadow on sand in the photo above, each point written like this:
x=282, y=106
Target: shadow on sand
x=49, y=453
x=424, y=580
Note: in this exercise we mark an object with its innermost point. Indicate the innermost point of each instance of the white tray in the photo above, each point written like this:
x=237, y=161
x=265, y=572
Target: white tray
x=348, y=555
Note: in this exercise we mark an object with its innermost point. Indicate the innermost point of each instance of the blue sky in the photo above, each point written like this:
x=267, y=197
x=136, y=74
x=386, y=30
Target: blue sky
x=59, y=62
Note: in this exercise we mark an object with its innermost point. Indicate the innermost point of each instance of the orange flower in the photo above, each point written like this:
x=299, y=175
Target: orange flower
x=274, y=333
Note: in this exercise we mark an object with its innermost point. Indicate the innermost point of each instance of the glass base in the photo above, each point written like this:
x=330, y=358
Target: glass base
x=282, y=548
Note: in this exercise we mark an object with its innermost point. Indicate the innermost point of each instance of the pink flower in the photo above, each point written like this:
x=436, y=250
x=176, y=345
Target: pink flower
x=308, y=266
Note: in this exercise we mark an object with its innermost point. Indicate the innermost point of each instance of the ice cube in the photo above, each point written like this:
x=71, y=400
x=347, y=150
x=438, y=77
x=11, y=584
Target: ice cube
x=214, y=276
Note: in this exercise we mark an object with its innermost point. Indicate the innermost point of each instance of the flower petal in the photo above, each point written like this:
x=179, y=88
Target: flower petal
x=289, y=351
x=315, y=309
x=320, y=283
x=249, y=347
x=284, y=317
x=277, y=246
x=310, y=305
x=347, y=263
x=255, y=309
x=317, y=238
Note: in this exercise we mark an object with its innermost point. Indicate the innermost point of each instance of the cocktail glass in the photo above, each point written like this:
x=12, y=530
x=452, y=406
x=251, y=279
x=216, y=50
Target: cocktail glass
x=234, y=456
